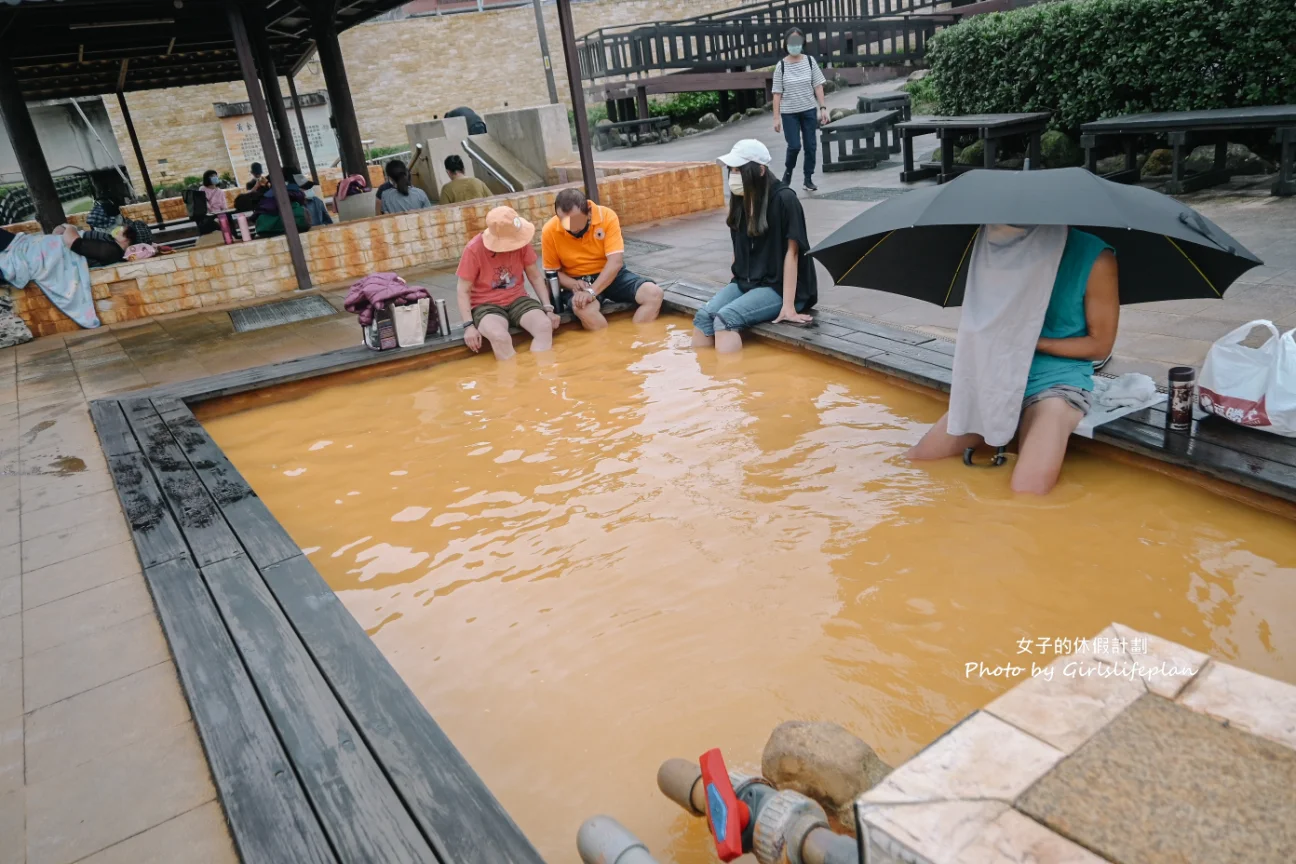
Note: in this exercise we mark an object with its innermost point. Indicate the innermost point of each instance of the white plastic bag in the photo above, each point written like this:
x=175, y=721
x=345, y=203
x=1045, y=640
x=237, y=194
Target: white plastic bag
x=411, y=323
x=1253, y=387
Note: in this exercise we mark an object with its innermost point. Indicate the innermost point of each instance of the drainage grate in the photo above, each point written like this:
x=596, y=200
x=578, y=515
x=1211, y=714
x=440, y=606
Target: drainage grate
x=285, y=312
x=862, y=193
x=642, y=247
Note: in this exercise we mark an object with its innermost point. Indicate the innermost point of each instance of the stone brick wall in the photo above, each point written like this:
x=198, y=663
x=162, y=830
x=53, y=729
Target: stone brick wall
x=203, y=278
x=400, y=72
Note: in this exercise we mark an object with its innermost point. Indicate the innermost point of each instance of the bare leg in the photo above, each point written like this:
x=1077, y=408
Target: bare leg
x=727, y=341
x=701, y=340
x=591, y=316
x=649, y=297
x=537, y=323
x=938, y=443
x=495, y=329
x=1045, y=429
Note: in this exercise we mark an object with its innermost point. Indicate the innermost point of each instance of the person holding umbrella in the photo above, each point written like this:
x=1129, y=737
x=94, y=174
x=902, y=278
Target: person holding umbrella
x=773, y=279
x=1031, y=256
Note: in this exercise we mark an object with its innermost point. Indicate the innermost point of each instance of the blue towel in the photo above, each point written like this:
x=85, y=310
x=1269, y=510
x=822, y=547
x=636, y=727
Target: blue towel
x=62, y=274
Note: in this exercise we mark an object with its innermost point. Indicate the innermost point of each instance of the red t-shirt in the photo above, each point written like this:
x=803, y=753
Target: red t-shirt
x=497, y=277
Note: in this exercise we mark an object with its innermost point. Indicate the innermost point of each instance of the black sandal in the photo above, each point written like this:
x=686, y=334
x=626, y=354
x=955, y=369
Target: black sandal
x=999, y=458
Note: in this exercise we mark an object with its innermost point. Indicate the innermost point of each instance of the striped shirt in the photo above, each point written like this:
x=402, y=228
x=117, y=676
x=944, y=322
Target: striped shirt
x=797, y=83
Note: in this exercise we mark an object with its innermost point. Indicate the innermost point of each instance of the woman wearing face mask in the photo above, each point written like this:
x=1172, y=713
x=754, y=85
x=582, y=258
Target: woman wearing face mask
x=799, y=107
x=773, y=280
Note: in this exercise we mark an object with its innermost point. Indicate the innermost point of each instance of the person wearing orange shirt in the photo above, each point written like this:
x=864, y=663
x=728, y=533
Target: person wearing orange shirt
x=583, y=243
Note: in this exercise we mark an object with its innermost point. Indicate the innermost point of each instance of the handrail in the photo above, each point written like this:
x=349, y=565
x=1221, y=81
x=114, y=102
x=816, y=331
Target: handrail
x=480, y=157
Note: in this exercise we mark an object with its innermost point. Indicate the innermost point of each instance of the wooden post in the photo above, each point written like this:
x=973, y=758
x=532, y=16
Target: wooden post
x=568, y=31
x=301, y=123
x=254, y=15
x=243, y=47
x=26, y=146
x=544, y=54
x=335, y=78
x=139, y=158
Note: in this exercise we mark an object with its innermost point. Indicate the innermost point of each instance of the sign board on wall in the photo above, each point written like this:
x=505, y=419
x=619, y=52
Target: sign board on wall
x=244, y=144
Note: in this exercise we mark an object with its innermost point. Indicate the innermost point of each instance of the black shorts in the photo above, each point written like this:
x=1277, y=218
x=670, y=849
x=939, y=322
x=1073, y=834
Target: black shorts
x=623, y=288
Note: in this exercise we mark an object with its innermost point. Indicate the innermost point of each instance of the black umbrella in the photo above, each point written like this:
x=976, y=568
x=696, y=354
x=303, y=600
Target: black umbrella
x=918, y=244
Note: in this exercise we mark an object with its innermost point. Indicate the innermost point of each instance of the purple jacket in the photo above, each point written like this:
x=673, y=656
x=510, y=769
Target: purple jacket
x=375, y=291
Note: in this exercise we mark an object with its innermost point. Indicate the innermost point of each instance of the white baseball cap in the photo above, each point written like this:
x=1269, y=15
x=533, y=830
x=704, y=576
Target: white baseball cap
x=747, y=150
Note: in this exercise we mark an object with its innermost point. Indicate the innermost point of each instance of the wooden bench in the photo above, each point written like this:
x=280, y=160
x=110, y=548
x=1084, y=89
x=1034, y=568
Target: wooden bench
x=655, y=128
x=1186, y=130
x=849, y=133
x=621, y=93
x=989, y=128
x=895, y=100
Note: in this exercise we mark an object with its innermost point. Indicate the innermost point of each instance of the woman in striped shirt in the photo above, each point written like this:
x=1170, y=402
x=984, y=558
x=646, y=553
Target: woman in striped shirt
x=799, y=106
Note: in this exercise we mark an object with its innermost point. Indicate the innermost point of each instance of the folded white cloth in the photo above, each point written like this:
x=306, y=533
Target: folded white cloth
x=1010, y=280
x=1130, y=389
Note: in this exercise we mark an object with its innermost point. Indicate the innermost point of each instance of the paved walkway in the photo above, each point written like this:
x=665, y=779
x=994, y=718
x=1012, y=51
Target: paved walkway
x=1153, y=336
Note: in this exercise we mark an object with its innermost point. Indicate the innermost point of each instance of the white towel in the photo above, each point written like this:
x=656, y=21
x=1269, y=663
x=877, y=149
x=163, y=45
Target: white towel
x=1130, y=389
x=1010, y=280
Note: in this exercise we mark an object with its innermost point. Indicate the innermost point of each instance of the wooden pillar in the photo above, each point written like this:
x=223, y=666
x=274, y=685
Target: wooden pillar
x=254, y=15
x=335, y=78
x=301, y=123
x=583, y=145
x=26, y=146
x=243, y=46
x=139, y=158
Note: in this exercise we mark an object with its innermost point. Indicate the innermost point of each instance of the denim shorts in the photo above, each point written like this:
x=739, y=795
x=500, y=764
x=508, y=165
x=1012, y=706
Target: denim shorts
x=736, y=309
x=1073, y=396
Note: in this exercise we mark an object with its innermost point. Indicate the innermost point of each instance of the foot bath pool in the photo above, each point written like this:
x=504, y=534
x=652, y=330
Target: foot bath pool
x=588, y=563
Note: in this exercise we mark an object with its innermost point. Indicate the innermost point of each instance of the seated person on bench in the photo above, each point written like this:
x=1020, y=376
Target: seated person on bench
x=583, y=243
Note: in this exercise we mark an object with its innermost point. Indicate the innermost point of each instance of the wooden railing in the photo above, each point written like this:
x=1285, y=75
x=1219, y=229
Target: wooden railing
x=739, y=41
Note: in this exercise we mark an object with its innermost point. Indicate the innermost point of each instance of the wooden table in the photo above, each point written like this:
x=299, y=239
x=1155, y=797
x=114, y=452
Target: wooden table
x=896, y=99
x=990, y=128
x=849, y=133
x=1187, y=129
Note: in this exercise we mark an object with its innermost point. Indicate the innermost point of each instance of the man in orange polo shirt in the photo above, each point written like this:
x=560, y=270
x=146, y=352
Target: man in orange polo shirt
x=583, y=243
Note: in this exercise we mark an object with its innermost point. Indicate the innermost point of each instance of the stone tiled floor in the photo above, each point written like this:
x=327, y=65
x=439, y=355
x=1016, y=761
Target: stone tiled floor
x=1103, y=763
x=1152, y=336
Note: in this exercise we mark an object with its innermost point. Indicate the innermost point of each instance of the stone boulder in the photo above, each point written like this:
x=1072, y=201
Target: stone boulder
x=1057, y=150
x=754, y=112
x=838, y=113
x=973, y=154
x=603, y=124
x=13, y=330
x=823, y=761
x=830, y=86
x=691, y=131
x=1158, y=164
x=708, y=121
x=1240, y=160
x=734, y=118
x=1112, y=164
x=676, y=131
x=918, y=74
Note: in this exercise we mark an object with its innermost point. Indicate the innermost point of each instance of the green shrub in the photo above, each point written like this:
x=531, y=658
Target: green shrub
x=922, y=95
x=190, y=181
x=227, y=178
x=1084, y=60
x=379, y=152
x=1059, y=150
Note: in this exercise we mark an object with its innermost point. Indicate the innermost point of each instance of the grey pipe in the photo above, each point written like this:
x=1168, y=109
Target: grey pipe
x=679, y=780
x=604, y=840
x=822, y=846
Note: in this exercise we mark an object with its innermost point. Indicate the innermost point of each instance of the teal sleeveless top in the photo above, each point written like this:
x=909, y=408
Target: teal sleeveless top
x=1065, y=317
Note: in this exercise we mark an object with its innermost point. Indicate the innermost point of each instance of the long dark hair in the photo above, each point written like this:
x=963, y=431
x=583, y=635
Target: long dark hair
x=758, y=185
x=399, y=176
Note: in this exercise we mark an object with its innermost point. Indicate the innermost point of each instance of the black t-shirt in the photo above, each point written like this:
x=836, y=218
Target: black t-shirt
x=759, y=260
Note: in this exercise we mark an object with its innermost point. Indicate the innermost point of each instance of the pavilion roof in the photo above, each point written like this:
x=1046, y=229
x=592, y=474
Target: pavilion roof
x=63, y=48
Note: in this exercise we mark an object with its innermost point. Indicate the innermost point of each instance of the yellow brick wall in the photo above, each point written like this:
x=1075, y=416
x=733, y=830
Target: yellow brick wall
x=400, y=72
x=203, y=278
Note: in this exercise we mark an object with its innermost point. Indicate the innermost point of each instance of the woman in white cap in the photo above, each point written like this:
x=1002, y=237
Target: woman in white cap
x=773, y=280
x=492, y=290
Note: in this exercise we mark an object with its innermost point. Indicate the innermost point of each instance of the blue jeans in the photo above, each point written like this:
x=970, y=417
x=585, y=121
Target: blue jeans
x=735, y=309
x=799, y=127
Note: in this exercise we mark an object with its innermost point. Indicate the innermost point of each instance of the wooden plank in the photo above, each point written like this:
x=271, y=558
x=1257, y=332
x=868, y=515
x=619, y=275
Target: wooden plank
x=1220, y=432
x=269, y=817
x=891, y=346
x=257, y=530
x=193, y=509
x=115, y=435
x=450, y=802
x=873, y=329
x=358, y=809
x=1177, y=448
x=157, y=537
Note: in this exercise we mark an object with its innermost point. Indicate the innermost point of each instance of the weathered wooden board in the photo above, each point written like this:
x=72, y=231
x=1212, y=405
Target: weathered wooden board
x=451, y=803
x=355, y=802
x=269, y=816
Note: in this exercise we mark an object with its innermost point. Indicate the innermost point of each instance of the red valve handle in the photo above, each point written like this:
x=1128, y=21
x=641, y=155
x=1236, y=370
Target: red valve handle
x=727, y=817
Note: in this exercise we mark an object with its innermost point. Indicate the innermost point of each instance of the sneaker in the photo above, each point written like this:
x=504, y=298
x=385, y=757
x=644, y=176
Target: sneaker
x=787, y=179
x=809, y=185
